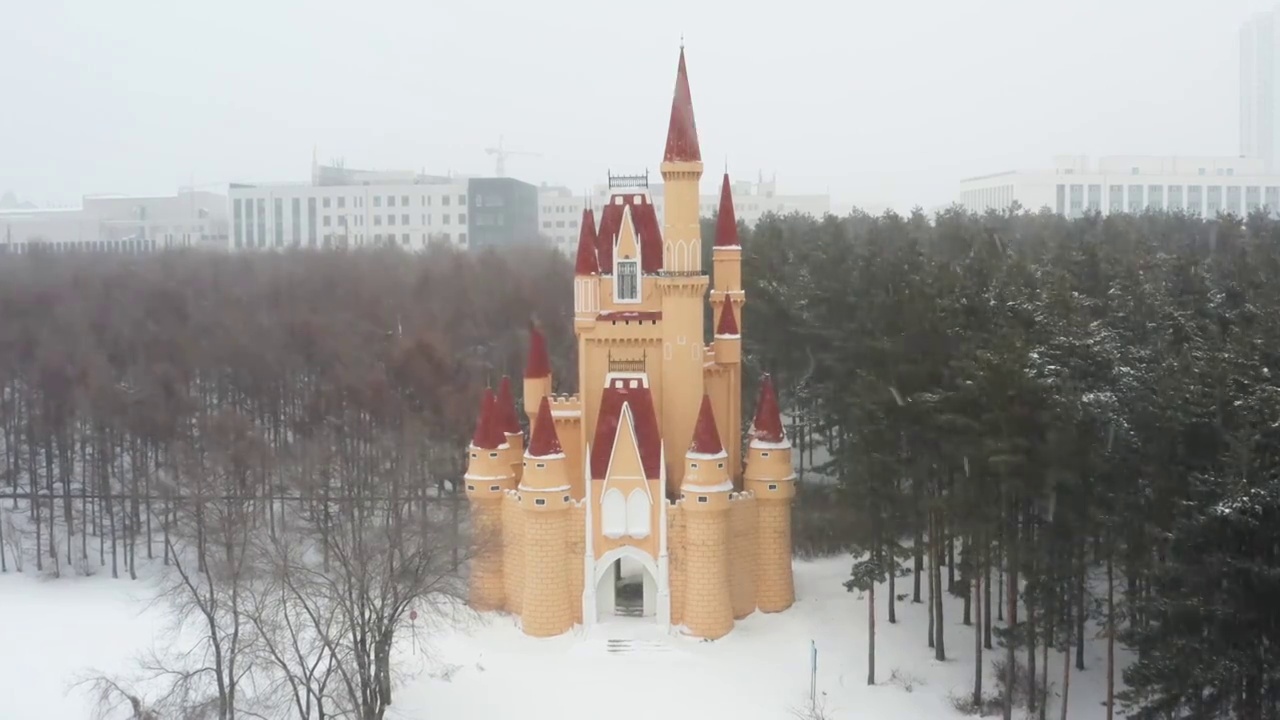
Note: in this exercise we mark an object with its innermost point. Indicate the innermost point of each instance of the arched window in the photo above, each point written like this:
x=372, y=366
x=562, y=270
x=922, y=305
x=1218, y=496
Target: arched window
x=638, y=514
x=613, y=514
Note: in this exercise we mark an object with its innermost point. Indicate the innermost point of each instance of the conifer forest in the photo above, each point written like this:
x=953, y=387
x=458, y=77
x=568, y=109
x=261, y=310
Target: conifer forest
x=1072, y=424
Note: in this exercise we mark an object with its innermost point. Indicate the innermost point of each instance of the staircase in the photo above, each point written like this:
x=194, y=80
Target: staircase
x=635, y=646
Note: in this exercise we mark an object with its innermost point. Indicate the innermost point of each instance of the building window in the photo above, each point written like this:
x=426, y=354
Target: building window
x=404, y=238
x=391, y=219
x=773, y=486
x=1133, y=170
x=404, y=201
x=296, y=213
x=1155, y=197
x=311, y=221
x=495, y=488
x=239, y=230
x=1095, y=198
x=377, y=201
x=1135, y=199
x=1175, y=198
x=1214, y=202
x=1195, y=199
x=1077, y=200
x=540, y=501
x=1233, y=200
x=1273, y=199
x=462, y=218
x=462, y=201
x=377, y=220
x=342, y=202
x=404, y=219
x=702, y=498
x=1116, y=201
x=391, y=201
x=1062, y=199
x=326, y=202
x=444, y=200
x=628, y=280
x=326, y=221
x=462, y=238
x=262, y=222
x=1252, y=198
x=279, y=221
x=446, y=217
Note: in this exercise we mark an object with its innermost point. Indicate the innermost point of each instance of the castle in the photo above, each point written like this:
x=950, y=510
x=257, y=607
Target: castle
x=641, y=473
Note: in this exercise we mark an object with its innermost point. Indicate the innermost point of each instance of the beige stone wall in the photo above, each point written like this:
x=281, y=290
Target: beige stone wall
x=775, y=588
x=577, y=546
x=546, y=610
x=708, y=606
x=742, y=554
x=513, y=553
x=675, y=561
x=486, y=588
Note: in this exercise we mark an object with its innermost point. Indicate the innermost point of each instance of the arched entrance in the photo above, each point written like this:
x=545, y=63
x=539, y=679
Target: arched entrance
x=626, y=585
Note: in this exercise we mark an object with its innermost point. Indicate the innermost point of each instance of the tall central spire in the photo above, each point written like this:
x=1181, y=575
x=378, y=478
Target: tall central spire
x=682, y=132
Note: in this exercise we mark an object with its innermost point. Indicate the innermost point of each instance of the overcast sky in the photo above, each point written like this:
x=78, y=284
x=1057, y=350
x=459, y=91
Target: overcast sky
x=876, y=102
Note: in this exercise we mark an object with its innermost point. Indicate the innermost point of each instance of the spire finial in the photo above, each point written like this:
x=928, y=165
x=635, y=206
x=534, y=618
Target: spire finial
x=681, y=42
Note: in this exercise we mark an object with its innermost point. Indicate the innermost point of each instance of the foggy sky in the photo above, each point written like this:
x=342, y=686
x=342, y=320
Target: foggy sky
x=890, y=101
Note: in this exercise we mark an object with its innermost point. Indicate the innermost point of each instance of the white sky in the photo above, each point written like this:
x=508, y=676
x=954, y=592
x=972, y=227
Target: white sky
x=889, y=101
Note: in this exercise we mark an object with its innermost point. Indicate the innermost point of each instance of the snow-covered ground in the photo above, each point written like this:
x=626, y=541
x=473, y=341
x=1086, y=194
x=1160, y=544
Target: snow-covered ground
x=55, y=630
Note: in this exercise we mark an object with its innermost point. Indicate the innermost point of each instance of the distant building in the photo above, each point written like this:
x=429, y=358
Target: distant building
x=1199, y=185
x=119, y=224
x=1260, y=88
x=343, y=207
x=560, y=208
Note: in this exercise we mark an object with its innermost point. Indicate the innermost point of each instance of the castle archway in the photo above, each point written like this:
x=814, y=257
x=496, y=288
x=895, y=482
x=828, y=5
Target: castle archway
x=626, y=585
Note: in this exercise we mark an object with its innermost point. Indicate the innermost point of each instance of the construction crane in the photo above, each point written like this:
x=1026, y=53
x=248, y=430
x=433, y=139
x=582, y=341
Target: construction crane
x=500, y=169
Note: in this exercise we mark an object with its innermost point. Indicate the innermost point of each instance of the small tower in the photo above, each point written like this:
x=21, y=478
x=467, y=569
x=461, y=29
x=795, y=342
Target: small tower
x=545, y=502
x=586, y=271
x=681, y=171
x=489, y=476
x=537, y=373
x=727, y=299
x=705, y=489
x=769, y=476
x=509, y=424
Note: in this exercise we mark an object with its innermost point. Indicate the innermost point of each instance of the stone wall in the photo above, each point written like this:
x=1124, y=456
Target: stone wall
x=742, y=554
x=486, y=588
x=708, y=607
x=546, y=609
x=577, y=546
x=775, y=588
x=513, y=553
x=675, y=561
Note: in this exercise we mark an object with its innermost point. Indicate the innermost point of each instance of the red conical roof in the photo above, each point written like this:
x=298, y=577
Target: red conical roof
x=588, y=262
x=726, y=222
x=682, y=133
x=488, y=435
x=506, y=409
x=767, y=425
x=727, y=325
x=544, y=441
x=538, y=364
x=706, y=438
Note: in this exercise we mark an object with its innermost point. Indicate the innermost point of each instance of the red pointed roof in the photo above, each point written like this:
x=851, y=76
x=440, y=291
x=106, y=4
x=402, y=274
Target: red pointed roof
x=544, y=441
x=644, y=423
x=588, y=261
x=538, y=363
x=644, y=218
x=506, y=409
x=488, y=435
x=767, y=425
x=726, y=222
x=728, y=325
x=706, y=438
x=682, y=133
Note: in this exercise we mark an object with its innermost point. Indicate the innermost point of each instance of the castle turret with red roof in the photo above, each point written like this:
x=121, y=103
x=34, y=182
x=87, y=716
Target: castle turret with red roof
x=537, y=372
x=489, y=476
x=509, y=423
x=770, y=477
x=727, y=300
x=708, y=607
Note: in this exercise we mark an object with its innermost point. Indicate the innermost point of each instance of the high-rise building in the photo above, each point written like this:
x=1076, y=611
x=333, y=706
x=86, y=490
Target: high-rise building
x=1259, y=99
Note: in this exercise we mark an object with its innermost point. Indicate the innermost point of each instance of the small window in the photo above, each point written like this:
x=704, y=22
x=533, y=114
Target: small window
x=773, y=486
x=566, y=498
x=693, y=466
x=391, y=201
x=702, y=498
x=540, y=501
x=764, y=454
x=628, y=281
x=493, y=455
x=540, y=465
x=495, y=488
x=720, y=466
x=474, y=456
x=471, y=487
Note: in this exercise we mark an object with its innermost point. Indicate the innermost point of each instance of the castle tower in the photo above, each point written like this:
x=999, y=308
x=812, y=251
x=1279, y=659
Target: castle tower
x=708, y=607
x=684, y=286
x=769, y=476
x=546, y=504
x=509, y=424
x=537, y=374
x=488, y=478
x=726, y=292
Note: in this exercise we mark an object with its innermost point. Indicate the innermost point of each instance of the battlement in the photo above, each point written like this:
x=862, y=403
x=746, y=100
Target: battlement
x=566, y=407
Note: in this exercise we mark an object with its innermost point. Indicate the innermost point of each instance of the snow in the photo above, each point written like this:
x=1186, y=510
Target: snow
x=783, y=444
x=725, y=486
x=691, y=455
x=627, y=666
x=557, y=488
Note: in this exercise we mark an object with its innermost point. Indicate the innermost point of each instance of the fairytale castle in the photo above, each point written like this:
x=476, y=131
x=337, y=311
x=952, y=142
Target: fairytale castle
x=641, y=473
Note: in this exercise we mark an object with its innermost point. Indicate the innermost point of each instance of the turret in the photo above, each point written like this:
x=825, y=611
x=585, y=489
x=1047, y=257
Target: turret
x=489, y=475
x=544, y=500
x=537, y=373
x=769, y=476
x=728, y=341
x=681, y=171
x=726, y=254
x=727, y=299
x=708, y=607
x=586, y=270
x=510, y=425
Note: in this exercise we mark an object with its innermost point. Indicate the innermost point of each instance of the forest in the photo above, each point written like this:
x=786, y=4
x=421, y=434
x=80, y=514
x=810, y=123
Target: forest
x=1066, y=422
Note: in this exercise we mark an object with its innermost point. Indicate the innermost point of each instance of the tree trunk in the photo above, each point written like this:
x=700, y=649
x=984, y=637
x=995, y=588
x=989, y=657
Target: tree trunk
x=893, y=614
x=1080, y=611
x=1011, y=605
x=871, y=634
x=917, y=553
x=977, y=643
x=986, y=596
x=933, y=559
x=940, y=646
x=1066, y=672
x=1111, y=637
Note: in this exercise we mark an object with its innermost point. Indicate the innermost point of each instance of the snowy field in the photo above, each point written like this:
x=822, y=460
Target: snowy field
x=56, y=630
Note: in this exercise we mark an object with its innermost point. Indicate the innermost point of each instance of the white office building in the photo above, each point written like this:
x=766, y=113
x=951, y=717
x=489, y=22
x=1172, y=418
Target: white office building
x=560, y=208
x=120, y=224
x=1203, y=186
x=343, y=207
x=1259, y=94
